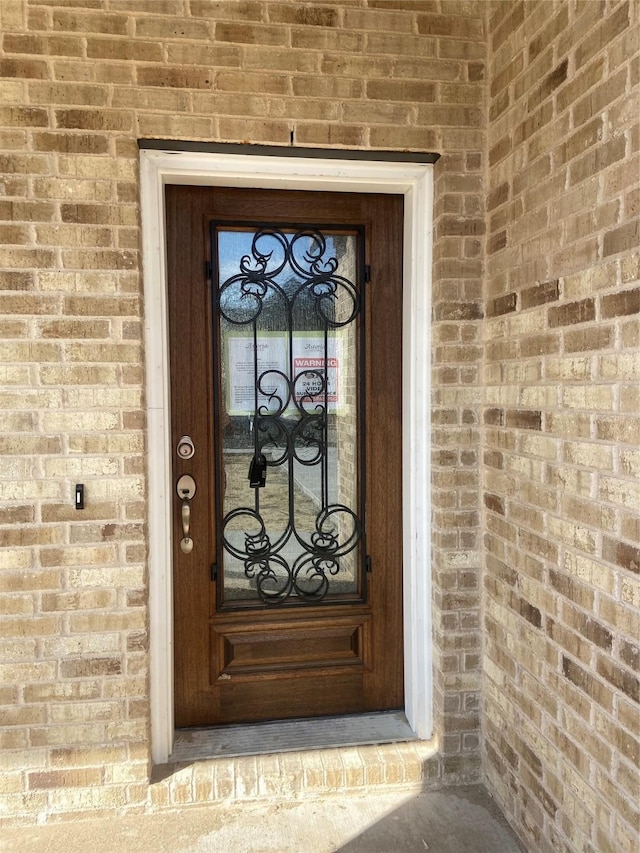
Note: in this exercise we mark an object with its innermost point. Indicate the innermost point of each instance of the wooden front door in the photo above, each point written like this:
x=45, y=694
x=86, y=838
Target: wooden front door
x=285, y=318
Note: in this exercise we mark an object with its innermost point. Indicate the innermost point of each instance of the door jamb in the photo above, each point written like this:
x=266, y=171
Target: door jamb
x=415, y=182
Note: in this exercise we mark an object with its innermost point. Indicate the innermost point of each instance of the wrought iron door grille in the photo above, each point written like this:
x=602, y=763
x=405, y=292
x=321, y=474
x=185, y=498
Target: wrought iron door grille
x=289, y=413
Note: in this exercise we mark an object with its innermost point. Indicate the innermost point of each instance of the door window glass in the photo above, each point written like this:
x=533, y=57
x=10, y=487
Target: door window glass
x=288, y=365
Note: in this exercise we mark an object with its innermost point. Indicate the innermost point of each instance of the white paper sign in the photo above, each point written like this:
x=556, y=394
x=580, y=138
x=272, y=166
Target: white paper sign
x=273, y=355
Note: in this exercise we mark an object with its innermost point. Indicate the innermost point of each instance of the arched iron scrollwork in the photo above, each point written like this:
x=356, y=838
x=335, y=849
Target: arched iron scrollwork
x=290, y=418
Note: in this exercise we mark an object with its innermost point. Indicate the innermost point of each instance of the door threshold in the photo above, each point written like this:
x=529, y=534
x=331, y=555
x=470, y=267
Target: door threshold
x=291, y=736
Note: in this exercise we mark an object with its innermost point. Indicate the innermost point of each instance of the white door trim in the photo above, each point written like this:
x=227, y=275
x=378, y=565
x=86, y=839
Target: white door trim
x=415, y=182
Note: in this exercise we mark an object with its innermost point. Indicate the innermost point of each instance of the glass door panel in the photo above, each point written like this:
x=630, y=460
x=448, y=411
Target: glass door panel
x=288, y=362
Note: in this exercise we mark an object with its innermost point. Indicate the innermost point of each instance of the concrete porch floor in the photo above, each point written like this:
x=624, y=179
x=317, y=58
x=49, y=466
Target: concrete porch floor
x=452, y=820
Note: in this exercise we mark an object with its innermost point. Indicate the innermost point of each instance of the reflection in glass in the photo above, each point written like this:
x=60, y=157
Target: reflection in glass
x=289, y=326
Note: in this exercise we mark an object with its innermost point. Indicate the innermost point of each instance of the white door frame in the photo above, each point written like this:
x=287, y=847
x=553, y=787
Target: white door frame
x=415, y=182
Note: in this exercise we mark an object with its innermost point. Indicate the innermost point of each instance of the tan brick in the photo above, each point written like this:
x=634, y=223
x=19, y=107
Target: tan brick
x=400, y=90
x=249, y=10
x=625, y=302
x=173, y=77
x=35, y=69
x=622, y=554
x=599, y=98
x=630, y=595
x=400, y=44
x=13, y=91
x=15, y=234
x=593, y=339
x=82, y=119
x=67, y=93
x=323, y=134
x=13, y=15
x=14, y=185
x=605, y=32
x=605, y=215
x=246, y=33
x=81, y=21
x=43, y=45
x=624, y=238
x=586, y=681
x=621, y=429
x=596, y=159
x=114, y=49
x=65, y=778
x=415, y=138
x=620, y=177
x=591, y=397
x=65, y=235
x=575, y=256
x=69, y=143
x=100, y=72
x=10, y=280
x=98, y=259
x=507, y=75
x=21, y=258
x=58, y=188
x=620, y=678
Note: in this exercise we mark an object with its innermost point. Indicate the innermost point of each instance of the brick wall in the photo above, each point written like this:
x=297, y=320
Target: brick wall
x=561, y=423
x=80, y=81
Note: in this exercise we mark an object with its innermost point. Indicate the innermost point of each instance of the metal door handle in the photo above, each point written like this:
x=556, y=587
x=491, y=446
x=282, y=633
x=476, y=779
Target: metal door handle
x=186, y=518
x=186, y=489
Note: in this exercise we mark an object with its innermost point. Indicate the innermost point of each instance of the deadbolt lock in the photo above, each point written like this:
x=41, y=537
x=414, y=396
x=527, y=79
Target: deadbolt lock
x=186, y=448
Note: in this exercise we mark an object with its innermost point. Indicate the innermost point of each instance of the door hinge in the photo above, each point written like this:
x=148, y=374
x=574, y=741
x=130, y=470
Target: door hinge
x=214, y=571
x=208, y=270
x=367, y=564
x=367, y=272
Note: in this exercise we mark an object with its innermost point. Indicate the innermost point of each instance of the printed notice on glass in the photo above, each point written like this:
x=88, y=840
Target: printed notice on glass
x=241, y=366
x=312, y=370
x=309, y=371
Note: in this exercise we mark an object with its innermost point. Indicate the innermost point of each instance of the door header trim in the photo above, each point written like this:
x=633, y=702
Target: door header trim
x=205, y=168
x=368, y=154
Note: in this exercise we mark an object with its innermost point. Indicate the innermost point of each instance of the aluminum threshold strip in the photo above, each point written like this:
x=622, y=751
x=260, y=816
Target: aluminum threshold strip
x=291, y=736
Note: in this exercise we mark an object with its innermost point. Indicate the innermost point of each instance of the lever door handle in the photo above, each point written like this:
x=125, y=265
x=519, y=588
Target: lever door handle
x=186, y=489
x=186, y=518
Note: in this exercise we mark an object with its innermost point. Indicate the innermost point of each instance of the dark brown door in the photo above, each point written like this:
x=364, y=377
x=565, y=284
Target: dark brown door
x=285, y=315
